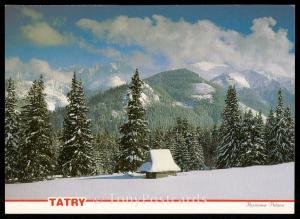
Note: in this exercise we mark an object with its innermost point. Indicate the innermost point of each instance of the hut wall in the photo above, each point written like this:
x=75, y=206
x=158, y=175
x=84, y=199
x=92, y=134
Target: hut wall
x=154, y=175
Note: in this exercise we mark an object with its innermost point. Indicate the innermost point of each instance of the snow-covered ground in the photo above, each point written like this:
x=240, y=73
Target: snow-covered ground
x=256, y=182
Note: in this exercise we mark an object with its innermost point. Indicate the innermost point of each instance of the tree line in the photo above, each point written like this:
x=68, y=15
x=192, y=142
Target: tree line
x=34, y=151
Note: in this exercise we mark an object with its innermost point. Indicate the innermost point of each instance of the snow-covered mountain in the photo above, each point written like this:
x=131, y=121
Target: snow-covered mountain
x=209, y=70
x=203, y=91
x=224, y=74
x=256, y=87
x=246, y=108
x=245, y=79
x=103, y=76
x=95, y=78
x=148, y=96
x=55, y=92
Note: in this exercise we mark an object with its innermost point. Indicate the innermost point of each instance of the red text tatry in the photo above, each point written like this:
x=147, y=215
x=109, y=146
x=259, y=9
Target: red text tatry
x=67, y=201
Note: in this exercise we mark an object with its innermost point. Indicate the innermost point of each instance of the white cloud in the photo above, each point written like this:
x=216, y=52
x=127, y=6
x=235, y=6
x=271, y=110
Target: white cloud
x=182, y=42
x=108, y=52
x=33, y=14
x=116, y=81
x=136, y=59
x=34, y=68
x=42, y=34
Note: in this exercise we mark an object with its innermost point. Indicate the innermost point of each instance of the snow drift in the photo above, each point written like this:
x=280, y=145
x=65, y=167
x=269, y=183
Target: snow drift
x=256, y=182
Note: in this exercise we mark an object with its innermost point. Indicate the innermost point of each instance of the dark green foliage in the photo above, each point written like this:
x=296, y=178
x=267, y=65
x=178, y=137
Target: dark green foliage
x=281, y=144
x=215, y=139
x=269, y=135
x=106, y=152
x=252, y=142
x=157, y=140
x=229, y=150
x=196, y=156
x=12, y=134
x=36, y=161
x=76, y=156
x=208, y=139
x=290, y=134
x=134, y=140
x=185, y=147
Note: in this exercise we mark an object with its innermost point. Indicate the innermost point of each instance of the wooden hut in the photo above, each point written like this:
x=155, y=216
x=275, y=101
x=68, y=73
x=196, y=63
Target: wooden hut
x=160, y=163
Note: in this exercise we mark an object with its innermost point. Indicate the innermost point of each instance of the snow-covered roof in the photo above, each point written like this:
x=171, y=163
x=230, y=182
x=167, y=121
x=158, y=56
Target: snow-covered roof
x=161, y=160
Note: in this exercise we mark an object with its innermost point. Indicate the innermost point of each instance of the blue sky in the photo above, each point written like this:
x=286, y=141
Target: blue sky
x=153, y=37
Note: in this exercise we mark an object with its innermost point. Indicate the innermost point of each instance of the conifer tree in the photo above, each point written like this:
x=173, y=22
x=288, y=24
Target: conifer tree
x=36, y=161
x=186, y=146
x=214, y=143
x=281, y=150
x=229, y=149
x=106, y=152
x=158, y=139
x=179, y=144
x=259, y=143
x=252, y=143
x=77, y=155
x=204, y=139
x=290, y=134
x=195, y=153
x=134, y=146
x=170, y=142
x=269, y=135
x=12, y=134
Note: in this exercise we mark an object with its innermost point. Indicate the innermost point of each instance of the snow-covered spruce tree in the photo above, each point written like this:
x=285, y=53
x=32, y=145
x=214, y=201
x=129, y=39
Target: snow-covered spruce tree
x=252, y=143
x=229, y=149
x=186, y=146
x=36, y=160
x=290, y=134
x=158, y=141
x=12, y=134
x=77, y=155
x=269, y=135
x=170, y=142
x=259, y=143
x=106, y=152
x=204, y=139
x=282, y=147
x=214, y=142
x=181, y=151
x=134, y=146
x=195, y=153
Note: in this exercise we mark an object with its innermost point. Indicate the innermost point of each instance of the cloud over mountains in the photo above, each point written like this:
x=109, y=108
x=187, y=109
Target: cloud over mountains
x=182, y=42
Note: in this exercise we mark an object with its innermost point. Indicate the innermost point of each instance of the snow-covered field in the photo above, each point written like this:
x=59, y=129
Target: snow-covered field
x=256, y=182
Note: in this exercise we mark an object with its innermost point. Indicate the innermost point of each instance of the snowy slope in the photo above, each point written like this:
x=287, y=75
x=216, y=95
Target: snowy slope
x=55, y=92
x=255, y=89
x=208, y=70
x=234, y=78
x=181, y=104
x=245, y=108
x=94, y=78
x=148, y=96
x=256, y=182
x=203, y=91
